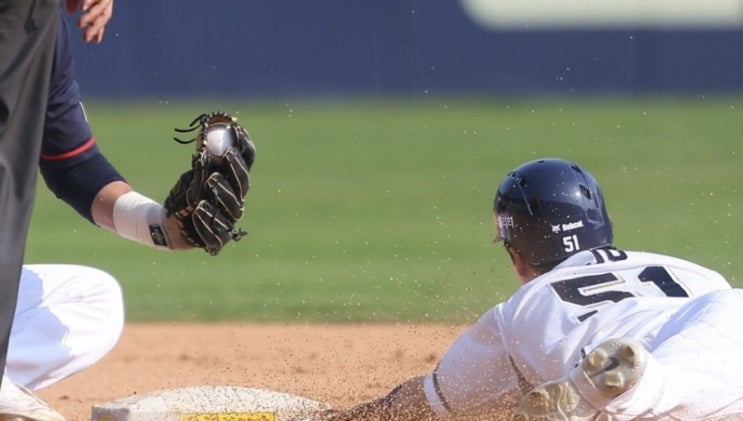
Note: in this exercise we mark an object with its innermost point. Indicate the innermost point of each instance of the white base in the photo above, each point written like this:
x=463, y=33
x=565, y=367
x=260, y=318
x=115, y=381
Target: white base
x=208, y=403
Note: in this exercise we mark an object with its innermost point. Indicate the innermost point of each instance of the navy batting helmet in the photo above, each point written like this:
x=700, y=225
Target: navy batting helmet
x=549, y=209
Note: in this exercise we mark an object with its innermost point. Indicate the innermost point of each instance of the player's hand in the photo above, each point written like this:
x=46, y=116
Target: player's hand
x=94, y=17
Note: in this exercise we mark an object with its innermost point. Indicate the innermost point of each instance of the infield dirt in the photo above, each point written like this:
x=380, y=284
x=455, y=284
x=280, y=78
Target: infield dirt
x=338, y=364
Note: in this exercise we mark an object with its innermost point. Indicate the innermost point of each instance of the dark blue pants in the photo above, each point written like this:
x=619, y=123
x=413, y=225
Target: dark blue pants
x=28, y=31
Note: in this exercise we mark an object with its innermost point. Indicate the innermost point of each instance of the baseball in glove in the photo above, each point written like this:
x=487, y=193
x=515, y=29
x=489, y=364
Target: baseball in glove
x=207, y=201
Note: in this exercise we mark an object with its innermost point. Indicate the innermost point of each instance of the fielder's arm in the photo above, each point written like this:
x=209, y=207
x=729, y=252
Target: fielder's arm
x=120, y=209
x=203, y=206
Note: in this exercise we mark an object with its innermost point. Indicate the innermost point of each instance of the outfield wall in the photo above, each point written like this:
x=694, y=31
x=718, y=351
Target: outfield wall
x=287, y=48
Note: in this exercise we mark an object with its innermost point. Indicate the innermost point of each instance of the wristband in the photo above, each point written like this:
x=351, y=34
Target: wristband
x=141, y=219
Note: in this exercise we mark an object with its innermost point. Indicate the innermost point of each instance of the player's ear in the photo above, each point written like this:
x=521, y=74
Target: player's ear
x=525, y=271
x=511, y=252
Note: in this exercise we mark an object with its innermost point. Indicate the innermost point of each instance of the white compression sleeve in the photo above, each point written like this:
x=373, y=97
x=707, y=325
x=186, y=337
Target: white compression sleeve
x=141, y=219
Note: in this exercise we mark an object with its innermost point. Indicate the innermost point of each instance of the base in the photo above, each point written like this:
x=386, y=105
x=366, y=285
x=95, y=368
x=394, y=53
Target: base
x=209, y=403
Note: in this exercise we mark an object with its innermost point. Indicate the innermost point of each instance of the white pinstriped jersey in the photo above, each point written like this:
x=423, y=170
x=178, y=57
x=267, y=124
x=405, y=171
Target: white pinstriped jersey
x=546, y=327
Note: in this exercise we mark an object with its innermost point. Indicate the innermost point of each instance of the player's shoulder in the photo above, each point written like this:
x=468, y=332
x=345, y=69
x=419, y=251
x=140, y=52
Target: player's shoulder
x=594, y=264
x=644, y=258
x=613, y=258
x=636, y=268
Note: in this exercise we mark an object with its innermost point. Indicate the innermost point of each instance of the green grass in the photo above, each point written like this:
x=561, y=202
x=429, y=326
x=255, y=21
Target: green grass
x=379, y=210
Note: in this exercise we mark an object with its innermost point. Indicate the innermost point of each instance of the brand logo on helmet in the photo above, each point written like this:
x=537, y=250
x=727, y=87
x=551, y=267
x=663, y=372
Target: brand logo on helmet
x=566, y=227
x=506, y=222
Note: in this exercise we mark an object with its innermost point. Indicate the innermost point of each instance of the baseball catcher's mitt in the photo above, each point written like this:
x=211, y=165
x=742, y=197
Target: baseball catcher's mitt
x=208, y=199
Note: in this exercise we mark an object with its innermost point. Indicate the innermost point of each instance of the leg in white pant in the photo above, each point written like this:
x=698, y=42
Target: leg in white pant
x=68, y=317
x=696, y=370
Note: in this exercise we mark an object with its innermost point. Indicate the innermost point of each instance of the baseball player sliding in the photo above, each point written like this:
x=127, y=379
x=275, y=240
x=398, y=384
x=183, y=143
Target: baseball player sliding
x=68, y=316
x=594, y=332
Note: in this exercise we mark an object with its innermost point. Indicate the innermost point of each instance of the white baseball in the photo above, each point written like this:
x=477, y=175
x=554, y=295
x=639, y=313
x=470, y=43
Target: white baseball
x=218, y=139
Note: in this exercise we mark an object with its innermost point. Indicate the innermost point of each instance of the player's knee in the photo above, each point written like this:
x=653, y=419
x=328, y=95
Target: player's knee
x=112, y=297
x=105, y=305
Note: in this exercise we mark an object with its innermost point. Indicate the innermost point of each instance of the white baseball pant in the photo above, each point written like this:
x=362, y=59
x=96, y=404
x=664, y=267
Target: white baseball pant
x=695, y=370
x=67, y=318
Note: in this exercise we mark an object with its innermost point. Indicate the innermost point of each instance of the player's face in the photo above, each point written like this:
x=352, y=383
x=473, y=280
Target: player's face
x=523, y=270
x=498, y=234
